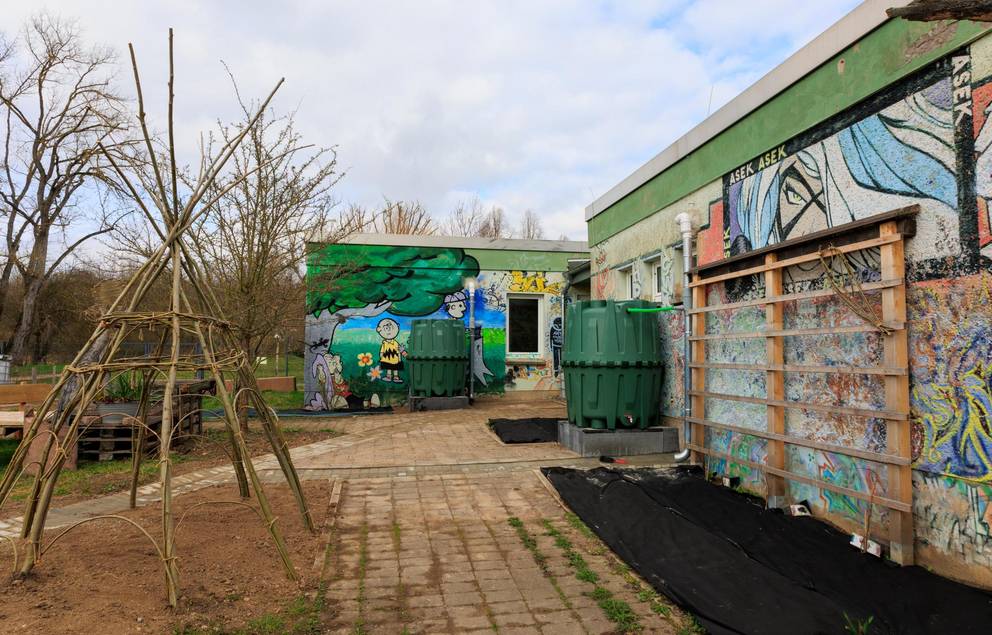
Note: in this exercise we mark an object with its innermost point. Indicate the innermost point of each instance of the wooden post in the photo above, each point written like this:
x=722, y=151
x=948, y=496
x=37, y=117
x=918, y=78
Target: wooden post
x=896, y=349
x=698, y=374
x=774, y=382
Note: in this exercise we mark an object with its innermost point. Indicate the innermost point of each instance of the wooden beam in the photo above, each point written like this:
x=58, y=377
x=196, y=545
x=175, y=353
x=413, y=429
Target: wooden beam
x=806, y=405
x=897, y=435
x=774, y=379
x=801, y=368
x=933, y=10
x=792, y=297
x=815, y=482
x=886, y=459
x=825, y=330
x=836, y=234
x=798, y=260
x=698, y=374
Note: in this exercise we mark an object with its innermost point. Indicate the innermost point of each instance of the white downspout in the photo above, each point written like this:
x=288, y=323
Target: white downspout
x=685, y=227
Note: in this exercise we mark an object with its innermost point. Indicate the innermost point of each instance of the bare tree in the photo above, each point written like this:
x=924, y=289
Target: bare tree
x=494, y=224
x=465, y=219
x=530, y=226
x=399, y=217
x=253, y=238
x=57, y=105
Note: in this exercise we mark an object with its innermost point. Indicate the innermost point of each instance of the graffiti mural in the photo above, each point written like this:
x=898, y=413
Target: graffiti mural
x=532, y=282
x=951, y=366
x=953, y=519
x=982, y=98
x=360, y=303
x=362, y=300
x=886, y=160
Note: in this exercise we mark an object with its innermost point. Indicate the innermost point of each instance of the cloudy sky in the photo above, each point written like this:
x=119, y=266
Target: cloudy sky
x=542, y=104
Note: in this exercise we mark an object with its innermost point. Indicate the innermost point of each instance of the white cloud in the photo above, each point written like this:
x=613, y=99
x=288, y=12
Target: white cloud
x=541, y=105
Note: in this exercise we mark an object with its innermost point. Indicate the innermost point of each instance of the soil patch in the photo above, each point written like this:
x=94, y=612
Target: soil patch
x=743, y=569
x=528, y=430
x=105, y=576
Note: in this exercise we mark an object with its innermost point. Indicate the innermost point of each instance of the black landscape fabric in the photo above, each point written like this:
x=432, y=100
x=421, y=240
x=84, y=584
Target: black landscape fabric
x=743, y=569
x=533, y=430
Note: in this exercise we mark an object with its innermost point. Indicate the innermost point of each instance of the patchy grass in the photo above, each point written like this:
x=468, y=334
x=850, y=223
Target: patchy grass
x=858, y=627
x=658, y=603
x=615, y=609
x=7, y=448
x=542, y=560
x=299, y=617
x=289, y=400
x=363, y=565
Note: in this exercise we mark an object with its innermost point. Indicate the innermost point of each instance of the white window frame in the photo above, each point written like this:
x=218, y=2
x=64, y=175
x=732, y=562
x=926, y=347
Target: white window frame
x=654, y=264
x=542, y=327
x=627, y=279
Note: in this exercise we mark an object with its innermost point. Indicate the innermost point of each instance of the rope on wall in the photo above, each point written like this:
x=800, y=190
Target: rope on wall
x=840, y=276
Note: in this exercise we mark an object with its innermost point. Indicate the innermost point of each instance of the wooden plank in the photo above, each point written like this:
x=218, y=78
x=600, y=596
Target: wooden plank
x=793, y=297
x=798, y=260
x=825, y=330
x=887, y=459
x=836, y=231
x=801, y=368
x=799, y=478
x=897, y=435
x=698, y=374
x=805, y=405
x=11, y=418
x=24, y=393
x=774, y=379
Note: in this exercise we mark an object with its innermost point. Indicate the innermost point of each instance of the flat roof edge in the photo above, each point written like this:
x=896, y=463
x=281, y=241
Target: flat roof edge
x=461, y=242
x=863, y=19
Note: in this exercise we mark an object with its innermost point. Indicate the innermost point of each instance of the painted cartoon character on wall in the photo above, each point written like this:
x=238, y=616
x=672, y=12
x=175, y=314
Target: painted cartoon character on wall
x=334, y=391
x=455, y=304
x=390, y=351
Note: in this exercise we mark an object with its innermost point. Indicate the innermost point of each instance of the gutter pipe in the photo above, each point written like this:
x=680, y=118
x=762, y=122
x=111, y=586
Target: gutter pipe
x=685, y=226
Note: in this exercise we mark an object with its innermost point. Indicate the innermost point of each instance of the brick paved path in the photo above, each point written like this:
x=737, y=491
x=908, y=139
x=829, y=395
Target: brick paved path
x=420, y=540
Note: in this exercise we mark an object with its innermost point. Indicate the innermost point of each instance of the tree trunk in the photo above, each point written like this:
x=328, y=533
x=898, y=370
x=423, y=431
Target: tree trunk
x=242, y=400
x=20, y=345
x=34, y=282
x=5, y=274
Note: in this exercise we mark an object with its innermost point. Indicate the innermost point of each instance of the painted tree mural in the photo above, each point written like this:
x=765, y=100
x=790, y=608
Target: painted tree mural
x=363, y=281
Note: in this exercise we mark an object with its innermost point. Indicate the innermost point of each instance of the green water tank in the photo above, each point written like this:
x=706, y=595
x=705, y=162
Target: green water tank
x=438, y=356
x=613, y=366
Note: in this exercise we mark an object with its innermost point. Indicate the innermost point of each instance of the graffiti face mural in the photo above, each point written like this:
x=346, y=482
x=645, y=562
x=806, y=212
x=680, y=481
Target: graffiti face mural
x=902, y=154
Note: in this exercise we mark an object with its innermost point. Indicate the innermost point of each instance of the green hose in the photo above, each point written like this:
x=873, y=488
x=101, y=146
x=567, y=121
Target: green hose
x=653, y=309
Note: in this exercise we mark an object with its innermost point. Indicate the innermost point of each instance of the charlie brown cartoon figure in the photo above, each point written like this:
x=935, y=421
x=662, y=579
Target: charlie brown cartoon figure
x=390, y=353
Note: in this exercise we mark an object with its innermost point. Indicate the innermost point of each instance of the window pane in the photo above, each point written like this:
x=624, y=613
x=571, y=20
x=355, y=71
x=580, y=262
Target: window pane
x=523, y=325
x=657, y=279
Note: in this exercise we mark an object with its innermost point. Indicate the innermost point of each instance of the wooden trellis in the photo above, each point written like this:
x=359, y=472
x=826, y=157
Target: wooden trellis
x=885, y=232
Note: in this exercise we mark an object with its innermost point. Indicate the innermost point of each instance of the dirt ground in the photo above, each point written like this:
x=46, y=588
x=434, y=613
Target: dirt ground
x=105, y=577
